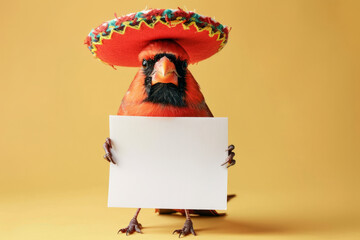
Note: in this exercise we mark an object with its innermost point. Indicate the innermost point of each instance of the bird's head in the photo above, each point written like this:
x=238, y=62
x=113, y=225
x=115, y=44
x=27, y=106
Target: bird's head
x=164, y=72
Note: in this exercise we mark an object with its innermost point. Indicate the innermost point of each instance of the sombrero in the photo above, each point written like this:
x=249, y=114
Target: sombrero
x=118, y=42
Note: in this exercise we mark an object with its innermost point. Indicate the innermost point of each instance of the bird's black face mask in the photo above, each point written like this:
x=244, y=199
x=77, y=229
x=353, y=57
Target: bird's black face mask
x=166, y=93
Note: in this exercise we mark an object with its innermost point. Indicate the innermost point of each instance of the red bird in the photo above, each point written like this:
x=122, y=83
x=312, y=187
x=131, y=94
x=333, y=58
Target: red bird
x=164, y=87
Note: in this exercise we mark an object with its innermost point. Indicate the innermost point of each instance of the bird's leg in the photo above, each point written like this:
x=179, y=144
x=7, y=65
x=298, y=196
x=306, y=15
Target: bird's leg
x=188, y=226
x=107, y=145
x=134, y=225
x=229, y=160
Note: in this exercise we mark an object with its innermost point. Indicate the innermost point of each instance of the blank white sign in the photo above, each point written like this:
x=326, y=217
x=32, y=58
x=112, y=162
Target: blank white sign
x=171, y=163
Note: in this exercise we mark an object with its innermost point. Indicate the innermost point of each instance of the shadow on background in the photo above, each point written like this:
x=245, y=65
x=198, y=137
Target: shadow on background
x=225, y=225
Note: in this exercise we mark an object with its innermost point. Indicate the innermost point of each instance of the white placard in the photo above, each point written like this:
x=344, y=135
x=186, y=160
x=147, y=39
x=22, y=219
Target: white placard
x=172, y=163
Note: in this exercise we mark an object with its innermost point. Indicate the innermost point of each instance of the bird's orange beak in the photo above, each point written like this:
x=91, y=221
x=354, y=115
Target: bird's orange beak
x=164, y=72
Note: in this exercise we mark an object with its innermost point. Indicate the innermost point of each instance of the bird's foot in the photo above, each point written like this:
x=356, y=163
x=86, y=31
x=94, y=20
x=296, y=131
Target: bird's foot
x=108, y=156
x=187, y=229
x=133, y=226
x=229, y=160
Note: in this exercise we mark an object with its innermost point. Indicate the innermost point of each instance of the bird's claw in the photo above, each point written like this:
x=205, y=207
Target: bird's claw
x=230, y=148
x=187, y=229
x=107, y=146
x=229, y=160
x=133, y=226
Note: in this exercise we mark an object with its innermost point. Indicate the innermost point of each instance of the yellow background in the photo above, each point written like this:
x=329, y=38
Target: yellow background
x=288, y=80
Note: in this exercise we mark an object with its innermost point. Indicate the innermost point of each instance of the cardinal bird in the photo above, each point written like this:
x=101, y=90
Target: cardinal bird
x=164, y=87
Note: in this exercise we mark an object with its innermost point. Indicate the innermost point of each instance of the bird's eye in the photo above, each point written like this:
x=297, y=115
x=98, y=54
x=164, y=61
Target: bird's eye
x=145, y=63
x=184, y=65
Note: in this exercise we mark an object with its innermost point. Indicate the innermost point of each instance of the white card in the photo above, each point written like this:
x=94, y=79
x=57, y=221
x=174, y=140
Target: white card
x=171, y=163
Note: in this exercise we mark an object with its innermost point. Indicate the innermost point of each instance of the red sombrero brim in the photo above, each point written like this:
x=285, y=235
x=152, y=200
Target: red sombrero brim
x=118, y=42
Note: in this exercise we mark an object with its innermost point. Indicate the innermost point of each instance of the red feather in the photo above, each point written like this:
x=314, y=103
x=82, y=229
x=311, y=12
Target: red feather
x=133, y=102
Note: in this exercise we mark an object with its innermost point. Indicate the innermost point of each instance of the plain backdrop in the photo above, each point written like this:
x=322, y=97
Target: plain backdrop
x=288, y=80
